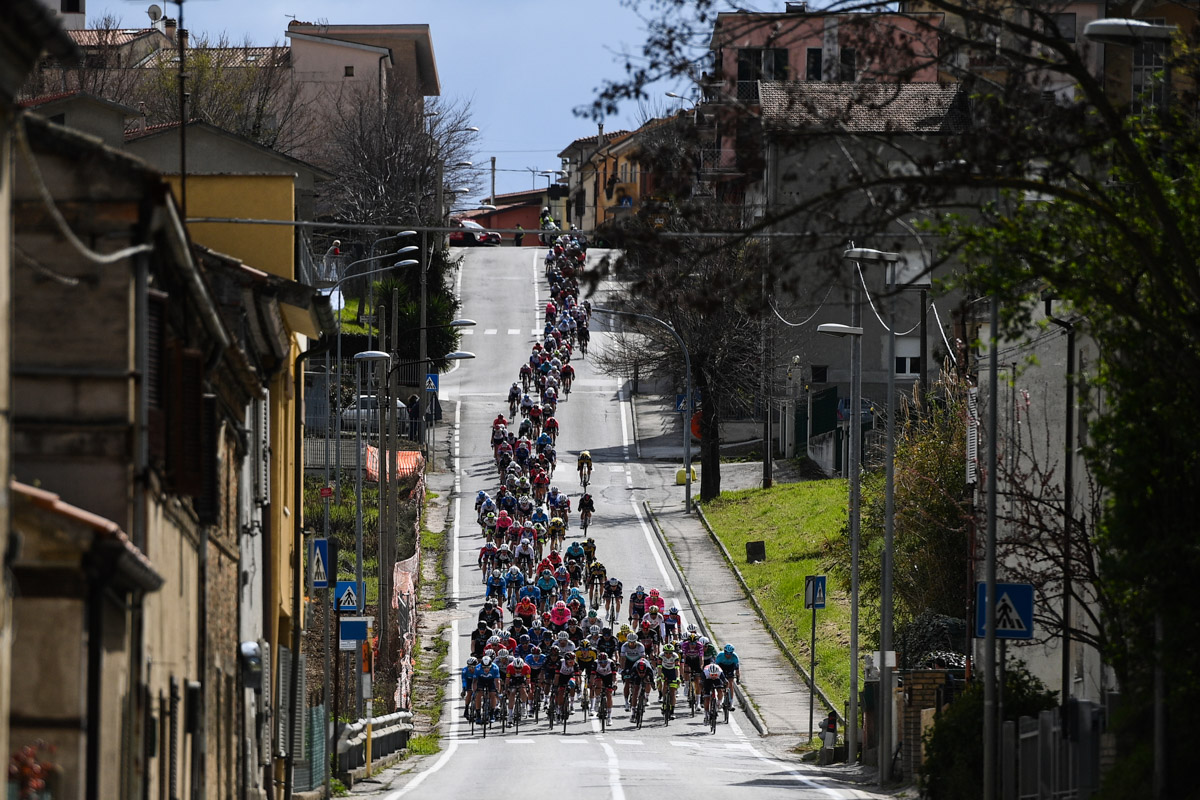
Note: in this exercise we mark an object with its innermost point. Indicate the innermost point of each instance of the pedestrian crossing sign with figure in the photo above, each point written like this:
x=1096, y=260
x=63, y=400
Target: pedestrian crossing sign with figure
x=1014, y=610
x=814, y=591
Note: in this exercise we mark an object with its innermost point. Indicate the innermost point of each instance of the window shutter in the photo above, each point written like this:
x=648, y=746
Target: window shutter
x=208, y=502
x=156, y=358
x=264, y=707
x=262, y=451
x=185, y=420
x=298, y=715
x=282, y=717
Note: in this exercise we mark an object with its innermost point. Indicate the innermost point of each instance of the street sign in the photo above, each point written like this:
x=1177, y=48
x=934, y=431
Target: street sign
x=814, y=591
x=1014, y=610
x=349, y=597
x=680, y=398
x=320, y=566
x=326, y=492
x=431, y=382
x=353, y=628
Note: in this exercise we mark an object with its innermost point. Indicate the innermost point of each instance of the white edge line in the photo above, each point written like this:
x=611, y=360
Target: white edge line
x=652, y=544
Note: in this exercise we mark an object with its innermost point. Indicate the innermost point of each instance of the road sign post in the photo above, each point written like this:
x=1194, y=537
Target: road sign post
x=320, y=564
x=814, y=598
x=1014, y=610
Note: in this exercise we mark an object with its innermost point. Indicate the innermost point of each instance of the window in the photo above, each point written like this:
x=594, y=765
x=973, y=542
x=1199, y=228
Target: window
x=72, y=6
x=1148, y=60
x=908, y=356
x=759, y=64
x=847, y=64
x=1065, y=25
x=820, y=373
x=349, y=71
x=814, y=56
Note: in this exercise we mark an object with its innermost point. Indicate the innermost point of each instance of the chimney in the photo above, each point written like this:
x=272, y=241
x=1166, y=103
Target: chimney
x=141, y=124
x=183, y=38
x=169, y=28
x=795, y=8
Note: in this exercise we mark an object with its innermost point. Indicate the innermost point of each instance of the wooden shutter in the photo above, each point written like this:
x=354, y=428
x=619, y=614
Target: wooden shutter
x=156, y=375
x=185, y=420
x=208, y=502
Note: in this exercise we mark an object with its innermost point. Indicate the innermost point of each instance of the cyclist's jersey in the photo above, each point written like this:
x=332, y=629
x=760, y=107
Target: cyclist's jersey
x=468, y=672
x=637, y=603
x=495, y=586
x=504, y=559
x=714, y=678
x=632, y=652
x=613, y=590
x=488, y=506
x=728, y=662
x=669, y=661
x=589, y=549
x=691, y=649
x=598, y=572
x=566, y=667
x=526, y=608
x=532, y=593
x=710, y=652
x=658, y=624
x=641, y=677
x=487, y=551
x=575, y=551
x=514, y=579
x=607, y=644
x=560, y=616
x=525, y=550
x=486, y=676
x=536, y=661
x=557, y=525
x=540, y=518
x=585, y=655
x=547, y=585
x=655, y=601
x=605, y=667
x=588, y=504
x=672, y=621
x=518, y=669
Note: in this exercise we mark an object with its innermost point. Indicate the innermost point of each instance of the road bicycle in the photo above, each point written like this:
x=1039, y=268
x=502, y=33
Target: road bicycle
x=727, y=703
x=639, y=705
x=691, y=696
x=585, y=519
x=585, y=475
x=668, y=702
x=710, y=713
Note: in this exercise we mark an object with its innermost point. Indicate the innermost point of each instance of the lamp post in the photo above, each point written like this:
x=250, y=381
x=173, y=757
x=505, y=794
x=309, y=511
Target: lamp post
x=864, y=254
x=687, y=402
x=854, y=331
x=369, y=357
x=684, y=99
x=335, y=286
x=412, y=248
x=550, y=173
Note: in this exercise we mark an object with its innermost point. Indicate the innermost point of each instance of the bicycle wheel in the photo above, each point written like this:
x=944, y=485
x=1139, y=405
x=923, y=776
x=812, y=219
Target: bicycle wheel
x=566, y=712
x=602, y=712
x=691, y=697
x=726, y=707
x=641, y=707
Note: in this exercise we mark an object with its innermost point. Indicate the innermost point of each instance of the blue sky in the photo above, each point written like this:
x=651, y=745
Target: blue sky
x=523, y=64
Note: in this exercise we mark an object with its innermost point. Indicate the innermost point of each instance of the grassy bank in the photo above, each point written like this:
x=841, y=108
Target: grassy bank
x=793, y=520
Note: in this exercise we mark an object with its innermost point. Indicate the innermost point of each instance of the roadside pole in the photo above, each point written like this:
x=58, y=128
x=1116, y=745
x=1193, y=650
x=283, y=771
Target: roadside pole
x=814, y=598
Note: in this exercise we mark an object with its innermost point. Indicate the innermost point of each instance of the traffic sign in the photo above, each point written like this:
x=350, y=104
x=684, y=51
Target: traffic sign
x=349, y=597
x=320, y=566
x=326, y=492
x=431, y=382
x=352, y=628
x=680, y=398
x=814, y=591
x=1014, y=610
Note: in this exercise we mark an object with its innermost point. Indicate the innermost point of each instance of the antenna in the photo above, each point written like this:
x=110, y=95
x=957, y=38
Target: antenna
x=154, y=12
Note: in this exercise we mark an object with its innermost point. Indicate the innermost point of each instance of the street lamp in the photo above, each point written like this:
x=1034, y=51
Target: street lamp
x=550, y=173
x=687, y=402
x=854, y=469
x=369, y=357
x=684, y=99
x=867, y=255
x=412, y=248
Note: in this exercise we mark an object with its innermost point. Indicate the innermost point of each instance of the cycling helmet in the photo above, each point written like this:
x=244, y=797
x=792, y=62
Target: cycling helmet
x=653, y=592
x=481, y=494
x=561, y=635
x=712, y=671
x=591, y=614
x=613, y=581
x=602, y=656
x=489, y=652
x=631, y=638
x=537, y=623
x=487, y=661
x=495, y=573
x=545, y=573
x=482, y=624
x=537, y=651
x=668, y=648
x=585, y=454
x=693, y=629
x=729, y=648
x=673, y=610
x=503, y=515
x=553, y=490
x=514, y=385
x=640, y=588
x=704, y=640
x=594, y=630
x=514, y=570
x=560, y=604
x=524, y=639
x=693, y=636
x=494, y=640
x=505, y=547
x=526, y=542
x=570, y=656
x=642, y=665
x=606, y=631
x=645, y=625
x=472, y=661
x=503, y=653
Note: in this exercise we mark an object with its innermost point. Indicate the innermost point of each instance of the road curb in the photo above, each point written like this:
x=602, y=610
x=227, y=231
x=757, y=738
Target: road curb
x=763, y=616
x=742, y=696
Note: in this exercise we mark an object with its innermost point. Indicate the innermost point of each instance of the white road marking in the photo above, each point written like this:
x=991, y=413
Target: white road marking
x=611, y=468
x=614, y=773
x=652, y=544
x=573, y=741
x=467, y=332
x=526, y=740
x=514, y=331
x=490, y=332
x=627, y=741
x=535, y=332
x=685, y=744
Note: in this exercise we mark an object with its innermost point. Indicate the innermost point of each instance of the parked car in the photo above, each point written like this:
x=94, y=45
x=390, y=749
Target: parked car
x=843, y=410
x=366, y=406
x=471, y=233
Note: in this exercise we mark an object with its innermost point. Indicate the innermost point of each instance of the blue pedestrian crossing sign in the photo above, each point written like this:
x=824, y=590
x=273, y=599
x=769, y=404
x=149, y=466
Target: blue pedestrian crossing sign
x=1014, y=610
x=814, y=591
x=349, y=596
x=431, y=382
x=320, y=564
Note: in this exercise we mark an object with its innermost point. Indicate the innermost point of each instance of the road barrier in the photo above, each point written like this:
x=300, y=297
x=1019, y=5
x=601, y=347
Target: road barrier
x=383, y=737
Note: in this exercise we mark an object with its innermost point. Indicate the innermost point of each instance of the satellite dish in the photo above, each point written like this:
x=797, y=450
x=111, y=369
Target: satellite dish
x=154, y=12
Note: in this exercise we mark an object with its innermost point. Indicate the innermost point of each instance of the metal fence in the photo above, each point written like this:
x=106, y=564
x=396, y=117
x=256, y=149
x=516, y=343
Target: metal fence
x=384, y=736
x=307, y=772
x=1042, y=761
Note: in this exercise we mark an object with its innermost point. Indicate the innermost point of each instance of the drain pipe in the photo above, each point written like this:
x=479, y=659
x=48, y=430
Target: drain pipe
x=297, y=554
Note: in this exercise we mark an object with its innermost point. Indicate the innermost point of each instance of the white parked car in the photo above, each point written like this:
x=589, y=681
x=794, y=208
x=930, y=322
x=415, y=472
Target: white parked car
x=367, y=406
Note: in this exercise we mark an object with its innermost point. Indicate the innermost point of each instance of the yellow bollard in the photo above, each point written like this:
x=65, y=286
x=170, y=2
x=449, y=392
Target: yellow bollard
x=681, y=476
x=368, y=748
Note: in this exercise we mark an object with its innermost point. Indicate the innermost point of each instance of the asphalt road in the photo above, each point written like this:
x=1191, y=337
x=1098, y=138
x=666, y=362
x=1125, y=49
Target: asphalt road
x=502, y=289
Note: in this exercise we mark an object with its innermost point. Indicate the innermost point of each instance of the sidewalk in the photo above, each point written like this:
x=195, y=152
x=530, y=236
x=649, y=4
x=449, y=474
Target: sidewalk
x=778, y=693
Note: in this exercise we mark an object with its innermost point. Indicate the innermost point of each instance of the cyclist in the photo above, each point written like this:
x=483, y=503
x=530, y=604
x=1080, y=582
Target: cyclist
x=560, y=615
x=491, y=613
x=612, y=598
x=672, y=621
x=589, y=549
x=657, y=622
x=468, y=673
x=500, y=422
x=575, y=575
x=587, y=507
x=586, y=656
x=693, y=655
x=550, y=428
x=485, y=683
x=714, y=683
x=487, y=555
x=641, y=678
x=597, y=577
x=548, y=587
x=496, y=586
x=514, y=581
x=575, y=552
x=584, y=466
x=631, y=652
x=539, y=516
x=607, y=643
x=514, y=397
x=479, y=638
x=710, y=650
x=567, y=374
x=604, y=677
x=525, y=554
x=504, y=557
x=557, y=530
x=518, y=674
x=655, y=600
x=729, y=663
x=637, y=604
x=668, y=667
x=484, y=505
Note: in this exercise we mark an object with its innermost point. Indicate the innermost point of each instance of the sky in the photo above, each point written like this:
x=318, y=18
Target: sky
x=524, y=65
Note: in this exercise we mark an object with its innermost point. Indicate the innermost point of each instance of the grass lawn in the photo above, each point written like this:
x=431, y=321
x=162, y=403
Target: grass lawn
x=793, y=520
